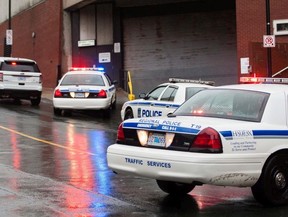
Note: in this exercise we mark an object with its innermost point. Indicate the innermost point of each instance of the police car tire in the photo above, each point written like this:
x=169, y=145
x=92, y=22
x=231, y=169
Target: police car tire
x=128, y=114
x=175, y=187
x=57, y=111
x=272, y=187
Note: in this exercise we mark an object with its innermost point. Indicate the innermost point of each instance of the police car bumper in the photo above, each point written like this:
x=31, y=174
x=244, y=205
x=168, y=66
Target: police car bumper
x=186, y=167
x=81, y=103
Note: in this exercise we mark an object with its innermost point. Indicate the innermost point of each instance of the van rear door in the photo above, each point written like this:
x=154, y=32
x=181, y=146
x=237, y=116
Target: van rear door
x=20, y=73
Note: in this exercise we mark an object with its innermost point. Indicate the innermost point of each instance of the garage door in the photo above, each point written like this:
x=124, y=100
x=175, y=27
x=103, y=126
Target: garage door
x=196, y=45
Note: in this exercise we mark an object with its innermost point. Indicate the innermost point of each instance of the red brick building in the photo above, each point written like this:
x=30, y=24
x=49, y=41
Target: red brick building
x=199, y=39
x=252, y=25
x=37, y=34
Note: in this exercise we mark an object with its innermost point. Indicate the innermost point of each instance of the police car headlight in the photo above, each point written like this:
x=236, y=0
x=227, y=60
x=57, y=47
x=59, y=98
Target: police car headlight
x=169, y=139
x=143, y=137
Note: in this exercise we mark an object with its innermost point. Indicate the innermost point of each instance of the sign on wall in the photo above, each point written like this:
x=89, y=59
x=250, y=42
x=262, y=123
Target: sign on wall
x=105, y=57
x=245, y=65
x=269, y=41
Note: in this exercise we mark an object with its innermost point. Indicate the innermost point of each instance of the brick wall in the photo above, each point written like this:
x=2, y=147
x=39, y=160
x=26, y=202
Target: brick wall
x=45, y=21
x=251, y=26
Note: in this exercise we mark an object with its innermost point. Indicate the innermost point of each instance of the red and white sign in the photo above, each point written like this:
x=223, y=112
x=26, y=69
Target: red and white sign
x=269, y=41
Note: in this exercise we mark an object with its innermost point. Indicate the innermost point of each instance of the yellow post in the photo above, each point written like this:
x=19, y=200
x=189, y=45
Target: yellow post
x=131, y=96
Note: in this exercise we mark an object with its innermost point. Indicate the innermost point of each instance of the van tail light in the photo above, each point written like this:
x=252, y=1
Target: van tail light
x=120, y=134
x=40, y=79
x=102, y=94
x=1, y=76
x=207, y=141
x=57, y=93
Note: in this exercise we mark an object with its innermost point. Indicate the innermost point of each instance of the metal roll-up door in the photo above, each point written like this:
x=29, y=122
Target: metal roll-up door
x=198, y=45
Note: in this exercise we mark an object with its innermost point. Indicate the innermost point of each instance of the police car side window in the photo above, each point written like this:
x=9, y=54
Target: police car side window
x=169, y=94
x=154, y=94
x=108, y=79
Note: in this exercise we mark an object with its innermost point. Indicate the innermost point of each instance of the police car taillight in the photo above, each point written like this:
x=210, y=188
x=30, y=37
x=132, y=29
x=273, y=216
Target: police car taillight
x=57, y=93
x=1, y=76
x=207, y=141
x=102, y=94
x=120, y=133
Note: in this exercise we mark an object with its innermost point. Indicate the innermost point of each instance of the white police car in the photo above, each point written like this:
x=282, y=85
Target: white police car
x=84, y=89
x=164, y=99
x=233, y=135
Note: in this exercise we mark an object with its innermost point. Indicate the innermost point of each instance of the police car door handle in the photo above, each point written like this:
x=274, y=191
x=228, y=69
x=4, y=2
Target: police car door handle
x=168, y=106
x=152, y=104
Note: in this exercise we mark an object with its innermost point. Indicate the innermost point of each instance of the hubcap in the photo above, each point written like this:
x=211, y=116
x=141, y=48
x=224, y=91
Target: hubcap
x=280, y=180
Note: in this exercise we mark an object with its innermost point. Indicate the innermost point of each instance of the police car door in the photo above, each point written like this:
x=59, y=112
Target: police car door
x=167, y=100
x=150, y=106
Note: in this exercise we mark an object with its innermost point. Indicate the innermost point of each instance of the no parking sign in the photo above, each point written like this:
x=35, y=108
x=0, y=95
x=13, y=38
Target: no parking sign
x=269, y=41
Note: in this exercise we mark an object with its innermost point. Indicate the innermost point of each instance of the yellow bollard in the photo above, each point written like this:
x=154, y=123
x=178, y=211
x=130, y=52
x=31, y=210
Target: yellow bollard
x=131, y=96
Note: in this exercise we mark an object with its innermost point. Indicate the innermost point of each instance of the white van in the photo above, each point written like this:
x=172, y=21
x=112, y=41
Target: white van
x=20, y=79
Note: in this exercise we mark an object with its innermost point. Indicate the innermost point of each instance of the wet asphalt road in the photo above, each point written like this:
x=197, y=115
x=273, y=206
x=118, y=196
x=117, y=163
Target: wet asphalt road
x=56, y=166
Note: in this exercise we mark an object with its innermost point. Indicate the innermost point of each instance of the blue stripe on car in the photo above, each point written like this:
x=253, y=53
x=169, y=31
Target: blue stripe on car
x=161, y=127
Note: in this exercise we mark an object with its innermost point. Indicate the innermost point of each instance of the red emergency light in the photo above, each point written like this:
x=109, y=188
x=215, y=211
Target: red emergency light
x=257, y=80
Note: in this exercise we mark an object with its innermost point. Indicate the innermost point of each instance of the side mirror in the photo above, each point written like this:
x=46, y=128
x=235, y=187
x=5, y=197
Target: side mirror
x=142, y=96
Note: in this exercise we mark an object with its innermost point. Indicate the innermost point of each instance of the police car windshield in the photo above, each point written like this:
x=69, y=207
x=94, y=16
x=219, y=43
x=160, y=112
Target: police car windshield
x=224, y=103
x=83, y=79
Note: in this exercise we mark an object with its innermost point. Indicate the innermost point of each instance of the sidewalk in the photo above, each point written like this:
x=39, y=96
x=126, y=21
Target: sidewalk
x=122, y=96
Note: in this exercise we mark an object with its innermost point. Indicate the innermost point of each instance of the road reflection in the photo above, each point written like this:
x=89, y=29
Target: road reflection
x=84, y=165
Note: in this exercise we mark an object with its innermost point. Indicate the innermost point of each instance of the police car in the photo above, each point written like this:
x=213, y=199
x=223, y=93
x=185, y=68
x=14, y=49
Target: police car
x=234, y=135
x=164, y=99
x=84, y=89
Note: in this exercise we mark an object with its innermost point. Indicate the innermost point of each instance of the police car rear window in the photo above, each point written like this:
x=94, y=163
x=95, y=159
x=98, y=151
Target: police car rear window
x=190, y=91
x=83, y=79
x=19, y=66
x=222, y=103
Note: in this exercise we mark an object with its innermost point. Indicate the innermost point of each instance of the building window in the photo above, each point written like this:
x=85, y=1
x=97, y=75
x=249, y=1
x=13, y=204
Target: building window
x=280, y=27
x=104, y=24
x=87, y=23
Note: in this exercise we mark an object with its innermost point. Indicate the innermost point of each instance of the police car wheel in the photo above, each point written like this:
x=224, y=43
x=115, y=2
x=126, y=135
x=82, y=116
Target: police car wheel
x=128, y=114
x=175, y=187
x=272, y=187
x=57, y=111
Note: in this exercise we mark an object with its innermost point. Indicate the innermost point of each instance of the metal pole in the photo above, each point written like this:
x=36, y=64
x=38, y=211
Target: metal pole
x=268, y=32
x=9, y=22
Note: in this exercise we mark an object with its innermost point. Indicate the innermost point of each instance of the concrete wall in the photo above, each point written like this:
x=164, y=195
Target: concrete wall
x=16, y=7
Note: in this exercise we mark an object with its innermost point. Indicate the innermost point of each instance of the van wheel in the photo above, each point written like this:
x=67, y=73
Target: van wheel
x=272, y=187
x=36, y=101
x=175, y=187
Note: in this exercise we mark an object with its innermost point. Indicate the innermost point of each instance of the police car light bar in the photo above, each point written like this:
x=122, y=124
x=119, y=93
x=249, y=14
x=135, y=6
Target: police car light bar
x=86, y=69
x=181, y=80
x=263, y=80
